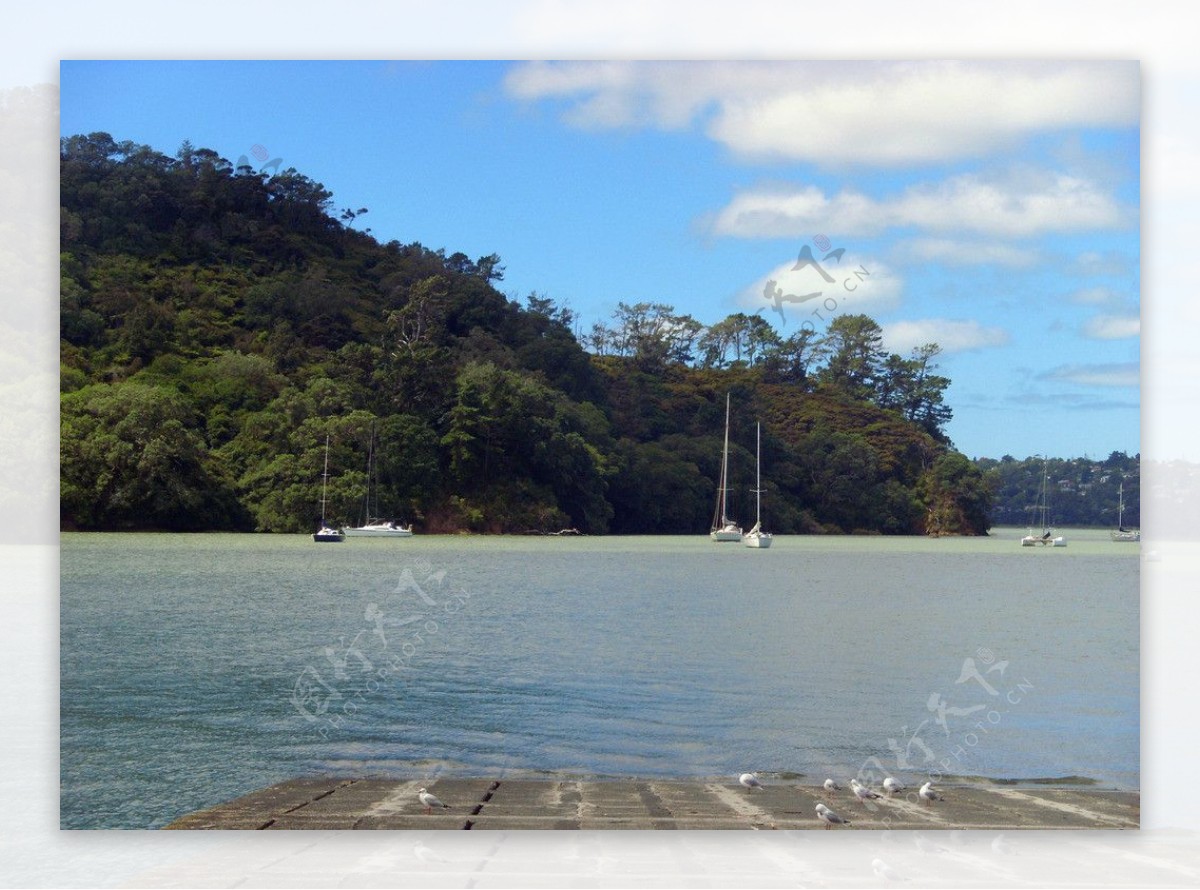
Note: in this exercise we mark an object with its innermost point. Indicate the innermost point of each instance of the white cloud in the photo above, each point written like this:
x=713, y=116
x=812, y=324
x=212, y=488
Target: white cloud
x=1112, y=327
x=860, y=285
x=1019, y=205
x=879, y=113
x=1106, y=264
x=956, y=252
x=604, y=95
x=1096, y=296
x=951, y=334
x=1117, y=374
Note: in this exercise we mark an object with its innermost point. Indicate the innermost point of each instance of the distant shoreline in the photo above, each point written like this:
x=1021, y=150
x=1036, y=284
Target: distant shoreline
x=466, y=533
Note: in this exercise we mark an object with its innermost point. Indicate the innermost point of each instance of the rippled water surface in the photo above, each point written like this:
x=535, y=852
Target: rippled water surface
x=198, y=667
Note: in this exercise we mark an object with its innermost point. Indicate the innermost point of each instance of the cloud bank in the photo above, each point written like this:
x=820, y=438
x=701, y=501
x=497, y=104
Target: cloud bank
x=1021, y=205
x=860, y=285
x=1117, y=374
x=951, y=334
x=842, y=113
x=1112, y=327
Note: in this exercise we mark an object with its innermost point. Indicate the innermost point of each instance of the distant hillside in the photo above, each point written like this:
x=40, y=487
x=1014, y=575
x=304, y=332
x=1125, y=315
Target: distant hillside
x=1081, y=492
x=219, y=324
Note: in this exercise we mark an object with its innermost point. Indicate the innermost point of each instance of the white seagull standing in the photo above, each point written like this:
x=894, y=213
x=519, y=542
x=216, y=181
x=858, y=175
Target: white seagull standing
x=829, y=817
x=927, y=793
x=750, y=780
x=429, y=801
x=862, y=792
x=831, y=786
x=891, y=786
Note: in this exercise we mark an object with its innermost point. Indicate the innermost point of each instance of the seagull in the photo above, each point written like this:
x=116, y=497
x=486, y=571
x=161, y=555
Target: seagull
x=927, y=793
x=862, y=792
x=891, y=786
x=832, y=786
x=829, y=817
x=750, y=780
x=429, y=801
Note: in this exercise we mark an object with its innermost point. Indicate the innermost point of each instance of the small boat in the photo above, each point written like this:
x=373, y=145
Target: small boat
x=1123, y=534
x=376, y=528
x=756, y=537
x=724, y=529
x=1046, y=537
x=380, y=528
x=326, y=534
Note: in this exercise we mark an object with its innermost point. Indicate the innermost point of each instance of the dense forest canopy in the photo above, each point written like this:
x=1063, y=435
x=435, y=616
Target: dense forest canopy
x=1079, y=491
x=218, y=324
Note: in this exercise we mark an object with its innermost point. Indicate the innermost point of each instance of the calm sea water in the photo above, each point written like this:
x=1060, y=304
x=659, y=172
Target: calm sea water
x=195, y=668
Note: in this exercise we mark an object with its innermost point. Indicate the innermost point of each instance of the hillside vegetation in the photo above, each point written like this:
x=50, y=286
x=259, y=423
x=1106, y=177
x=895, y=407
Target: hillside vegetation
x=218, y=324
x=1080, y=491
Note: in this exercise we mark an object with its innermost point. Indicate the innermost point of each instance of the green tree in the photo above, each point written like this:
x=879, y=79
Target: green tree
x=659, y=488
x=791, y=360
x=131, y=458
x=911, y=387
x=853, y=351
x=504, y=426
x=737, y=339
x=957, y=497
x=761, y=339
x=408, y=466
x=650, y=333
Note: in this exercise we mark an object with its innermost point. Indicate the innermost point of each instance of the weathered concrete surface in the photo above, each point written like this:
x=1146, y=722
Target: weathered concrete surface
x=627, y=804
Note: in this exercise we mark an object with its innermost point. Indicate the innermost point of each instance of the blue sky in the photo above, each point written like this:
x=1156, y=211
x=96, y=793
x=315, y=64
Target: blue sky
x=994, y=205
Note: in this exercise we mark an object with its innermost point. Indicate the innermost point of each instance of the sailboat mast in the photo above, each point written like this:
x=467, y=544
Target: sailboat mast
x=725, y=466
x=367, y=514
x=325, y=479
x=758, y=474
x=1045, y=492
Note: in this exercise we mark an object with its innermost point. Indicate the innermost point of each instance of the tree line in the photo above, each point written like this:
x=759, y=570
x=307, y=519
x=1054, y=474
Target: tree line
x=219, y=323
x=1081, y=491
x=849, y=356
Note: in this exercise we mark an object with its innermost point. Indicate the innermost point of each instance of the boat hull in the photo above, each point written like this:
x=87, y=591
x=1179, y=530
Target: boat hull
x=1040, y=541
x=1127, y=537
x=328, y=537
x=757, y=542
x=379, y=533
x=725, y=536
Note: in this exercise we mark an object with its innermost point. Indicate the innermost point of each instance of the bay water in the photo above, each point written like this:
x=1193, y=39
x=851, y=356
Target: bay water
x=195, y=668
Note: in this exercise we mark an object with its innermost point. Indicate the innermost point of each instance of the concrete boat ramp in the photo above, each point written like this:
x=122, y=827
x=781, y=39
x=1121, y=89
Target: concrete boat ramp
x=481, y=804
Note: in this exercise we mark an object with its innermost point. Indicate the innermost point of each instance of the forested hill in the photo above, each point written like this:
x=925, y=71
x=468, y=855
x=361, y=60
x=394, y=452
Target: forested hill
x=1078, y=491
x=219, y=324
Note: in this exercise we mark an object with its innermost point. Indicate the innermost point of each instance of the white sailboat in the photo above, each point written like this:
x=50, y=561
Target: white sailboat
x=376, y=528
x=756, y=537
x=1046, y=537
x=1129, y=535
x=724, y=529
x=380, y=528
x=325, y=534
